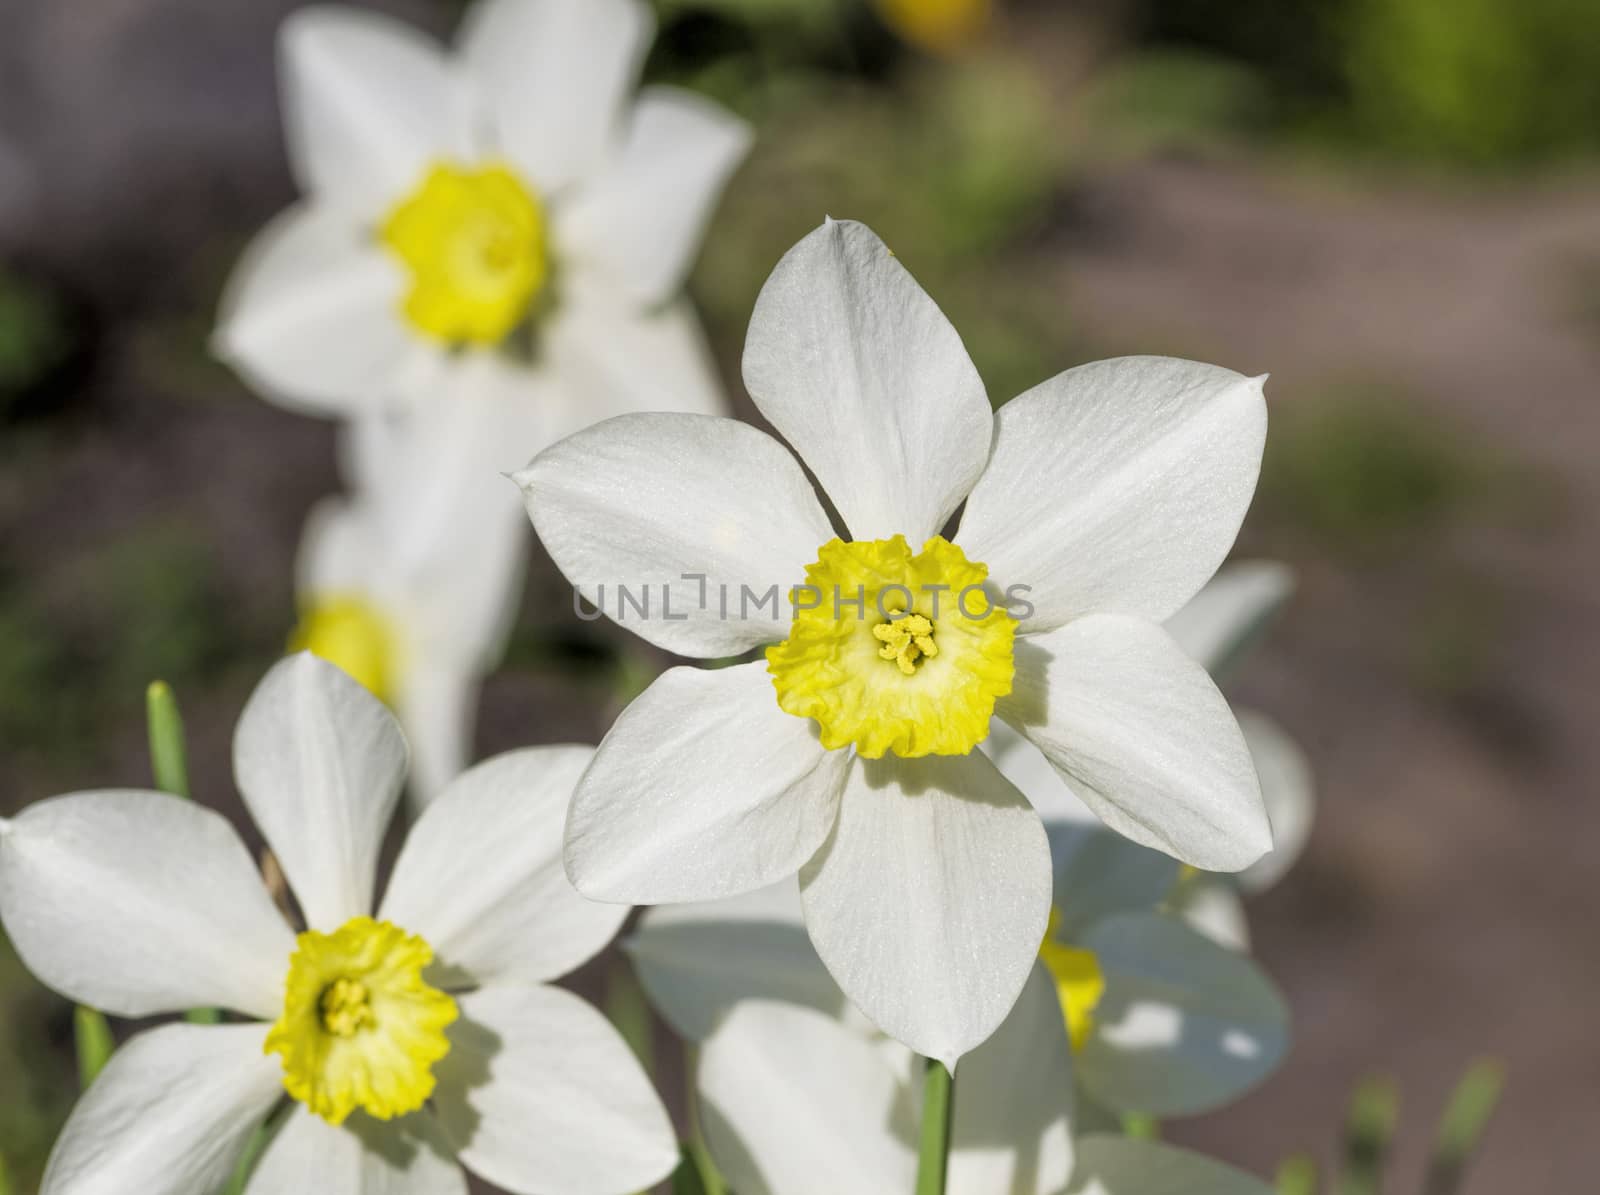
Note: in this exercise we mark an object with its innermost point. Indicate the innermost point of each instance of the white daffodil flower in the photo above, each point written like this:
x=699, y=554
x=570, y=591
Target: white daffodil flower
x=412, y=1042
x=483, y=219
x=1219, y=628
x=1107, y=496
x=792, y=1102
x=412, y=589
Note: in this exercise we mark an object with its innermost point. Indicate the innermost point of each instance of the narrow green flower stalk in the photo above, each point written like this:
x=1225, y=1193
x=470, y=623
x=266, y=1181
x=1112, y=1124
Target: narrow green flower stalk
x=1297, y=1176
x=94, y=1041
x=1465, y=1118
x=1374, y=1113
x=169, y=764
x=938, y=1104
x=1141, y=1127
x=5, y=1177
x=627, y=1010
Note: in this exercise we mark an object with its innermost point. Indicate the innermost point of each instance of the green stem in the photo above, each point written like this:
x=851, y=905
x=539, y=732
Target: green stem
x=1471, y=1106
x=695, y=1150
x=938, y=1104
x=95, y=1044
x=169, y=764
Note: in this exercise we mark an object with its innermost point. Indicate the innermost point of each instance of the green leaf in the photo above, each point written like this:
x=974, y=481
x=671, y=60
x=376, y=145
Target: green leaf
x=1297, y=1176
x=1467, y=1115
x=1369, y=1132
x=168, y=756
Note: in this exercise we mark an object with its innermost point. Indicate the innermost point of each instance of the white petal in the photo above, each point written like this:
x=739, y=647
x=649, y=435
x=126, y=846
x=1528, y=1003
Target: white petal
x=1224, y=619
x=141, y=903
x=696, y=961
x=1117, y=487
x=1184, y=1025
x=169, y=1115
x=644, y=216
x=930, y=898
x=480, y=875
x=437, y=704
x=1097, y=871
x=703, y=788
x=311, y=316
x=607, y=356
x=369, y=103
x=1121, y=1166
x=794, y=1103
x=861, y=372
x=1142, y=735
x=410, y=1156
x=320, y=763
x=1012, y=1128
x=555, y=75
x=1211, y=906
x=641, y=500
x=540, y=1093
x=1289, y=791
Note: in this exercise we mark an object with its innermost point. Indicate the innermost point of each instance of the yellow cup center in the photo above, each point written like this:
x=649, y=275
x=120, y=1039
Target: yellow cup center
x=351, y=633
x=1080, y=983
x=474, y=241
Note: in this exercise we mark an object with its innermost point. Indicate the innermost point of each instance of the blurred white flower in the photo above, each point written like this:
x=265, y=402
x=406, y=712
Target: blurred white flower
x=1109, y=494
x=1219, y=628
x=412, y=588
x=413, y=1044
x=481, y=218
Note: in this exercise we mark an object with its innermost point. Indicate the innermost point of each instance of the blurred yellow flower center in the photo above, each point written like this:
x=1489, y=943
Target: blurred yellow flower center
x=475, y=242
x=895, y=652
x=1079, y=981
x=350, y=632
x=360, y=1028
x=943, y=26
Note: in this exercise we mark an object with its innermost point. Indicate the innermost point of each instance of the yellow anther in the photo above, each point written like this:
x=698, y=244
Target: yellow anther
x=906, y=638
x=346, y=1007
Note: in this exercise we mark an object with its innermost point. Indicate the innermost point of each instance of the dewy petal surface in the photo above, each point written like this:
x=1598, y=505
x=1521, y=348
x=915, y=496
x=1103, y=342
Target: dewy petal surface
x=311, y=315
x=930, y=898
x=480, y=876
x=1109, y=1165
x=368, y=103
x=169, y=1115
x=409, y=1156
x=1184, y=1026
x=703, y=788
x=141, y=903
x=1142, y=735
x=555, y=76
x=541, y=1094
x=860, y=371
x=1117, y=487
x=1222, y=621
x=1012, y=1129
x=643, y=217
x=696, y=961
x=320, y=763
x=794, y=1103
x=641, y=500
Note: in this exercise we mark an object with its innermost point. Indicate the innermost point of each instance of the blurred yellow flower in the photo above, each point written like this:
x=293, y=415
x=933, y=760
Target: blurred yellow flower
x=942, y=26
x=349, y=631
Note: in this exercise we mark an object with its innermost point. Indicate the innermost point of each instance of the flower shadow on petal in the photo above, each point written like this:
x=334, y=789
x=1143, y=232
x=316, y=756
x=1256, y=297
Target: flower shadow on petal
x=467, y=1068
x=1029, y=701
x=398, y=1142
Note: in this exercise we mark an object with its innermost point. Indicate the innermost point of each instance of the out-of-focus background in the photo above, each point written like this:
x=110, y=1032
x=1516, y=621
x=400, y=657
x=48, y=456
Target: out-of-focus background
x=1391, y=205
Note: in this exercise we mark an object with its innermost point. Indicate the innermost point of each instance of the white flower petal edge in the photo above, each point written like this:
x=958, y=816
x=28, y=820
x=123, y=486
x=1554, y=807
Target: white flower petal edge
x=1141, y=733
x=491, y=912
x=703, y=788
x=541, y=1094
x=141, y=903
x=311, y=315
x=1184, y=1025
x=409, y=1156
x=1119, y=1166
x=794, y=1103
x=169, y=1115
x=368, y=103
x=930, y=898
x=555, y=76
x=642, y=500
x=859, y=370
x=697, y=961
x=1289, y=791
x=1012, y=1128
x=643, y=217
x=320, y=764
x=1222, y=621
x=1117, y=487
x=1212, y=907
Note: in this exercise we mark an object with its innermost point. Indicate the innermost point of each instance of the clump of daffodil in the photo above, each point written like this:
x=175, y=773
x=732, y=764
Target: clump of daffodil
x=503, y=226
x=412, y=1039
x=1094, y=507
